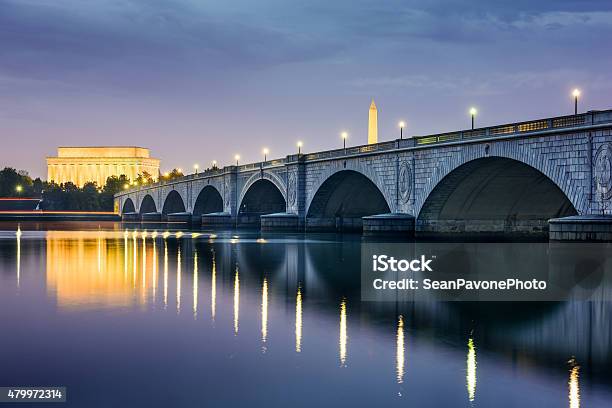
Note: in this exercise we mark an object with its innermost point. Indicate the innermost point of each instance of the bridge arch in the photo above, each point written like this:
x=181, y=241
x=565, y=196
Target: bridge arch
x=364, y=170
x=173, y=203
x=542, y=162
x=262, y=197
x=147, y=205
x=342, y=199
x=128, y=206
x=209, y=200
x=264, y=175
x=493, y=194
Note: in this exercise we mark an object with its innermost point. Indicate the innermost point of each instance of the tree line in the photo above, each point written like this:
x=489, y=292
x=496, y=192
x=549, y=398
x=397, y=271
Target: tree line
x=68, y=196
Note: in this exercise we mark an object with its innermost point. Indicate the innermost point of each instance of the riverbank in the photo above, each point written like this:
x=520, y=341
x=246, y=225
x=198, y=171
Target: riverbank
x=58, y=216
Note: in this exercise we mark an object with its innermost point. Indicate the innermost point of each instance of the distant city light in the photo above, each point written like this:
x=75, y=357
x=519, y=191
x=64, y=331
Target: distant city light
x=126, y=186
x=19, y=188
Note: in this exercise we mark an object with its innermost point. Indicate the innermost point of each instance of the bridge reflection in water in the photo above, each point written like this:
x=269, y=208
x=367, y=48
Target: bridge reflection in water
x=101, y=270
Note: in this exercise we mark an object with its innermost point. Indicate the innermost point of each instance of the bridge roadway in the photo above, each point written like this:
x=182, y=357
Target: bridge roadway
x=511, y=178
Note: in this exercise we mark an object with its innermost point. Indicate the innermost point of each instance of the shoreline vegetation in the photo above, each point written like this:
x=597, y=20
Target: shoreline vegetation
x=68, y=196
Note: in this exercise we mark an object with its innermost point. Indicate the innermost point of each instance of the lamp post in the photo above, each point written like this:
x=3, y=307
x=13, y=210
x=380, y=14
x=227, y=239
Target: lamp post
x=402, y=125
x=299, y=146
x=196, y=167
x=265, y=152
x=237, y=158
x=19, y=189
x=214, y=164
x=344, y=136
x=473, y=113
x=576, y=94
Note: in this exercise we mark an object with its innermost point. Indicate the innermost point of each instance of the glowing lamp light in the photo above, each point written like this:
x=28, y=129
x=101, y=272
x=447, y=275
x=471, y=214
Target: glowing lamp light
x=576, y=94
x=473, y=111
x=299, y=146
x=237, y=158
x=344, y=136
x=402, y=124
x=126, y=186
x=19, y=189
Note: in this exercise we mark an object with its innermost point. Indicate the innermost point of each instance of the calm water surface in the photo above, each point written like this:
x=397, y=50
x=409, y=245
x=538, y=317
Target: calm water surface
x=123, y=318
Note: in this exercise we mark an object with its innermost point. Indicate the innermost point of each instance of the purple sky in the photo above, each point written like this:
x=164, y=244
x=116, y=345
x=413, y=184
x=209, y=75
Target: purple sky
x=202, y=80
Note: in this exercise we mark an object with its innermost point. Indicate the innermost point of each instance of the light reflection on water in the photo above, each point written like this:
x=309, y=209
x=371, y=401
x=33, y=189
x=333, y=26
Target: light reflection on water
x=400, y=350
x=343, y=336
x=471, y=370
x=287, y=270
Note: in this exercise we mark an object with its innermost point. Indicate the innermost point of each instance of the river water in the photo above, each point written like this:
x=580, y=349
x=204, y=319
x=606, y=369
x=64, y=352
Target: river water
x=128, y=318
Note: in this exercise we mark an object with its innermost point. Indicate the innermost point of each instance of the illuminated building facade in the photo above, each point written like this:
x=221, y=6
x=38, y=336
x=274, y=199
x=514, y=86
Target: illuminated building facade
x=80, y=165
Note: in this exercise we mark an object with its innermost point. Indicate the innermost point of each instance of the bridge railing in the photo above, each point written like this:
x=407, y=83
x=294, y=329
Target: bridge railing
x=559, y=122
x=327, y=154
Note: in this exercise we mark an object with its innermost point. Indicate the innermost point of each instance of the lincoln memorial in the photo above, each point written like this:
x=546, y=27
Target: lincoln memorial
x=80, y=165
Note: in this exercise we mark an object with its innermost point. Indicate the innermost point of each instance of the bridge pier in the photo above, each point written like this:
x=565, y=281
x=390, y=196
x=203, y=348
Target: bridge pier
x=151, y=217
x=130, y=217
x=280, y=222
x=180, y=217
x=581, y=228
x=390, y=223
x=219, y=220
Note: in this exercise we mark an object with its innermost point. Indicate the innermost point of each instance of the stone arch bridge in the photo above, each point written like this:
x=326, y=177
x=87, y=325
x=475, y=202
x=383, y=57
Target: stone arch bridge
x=507, y=178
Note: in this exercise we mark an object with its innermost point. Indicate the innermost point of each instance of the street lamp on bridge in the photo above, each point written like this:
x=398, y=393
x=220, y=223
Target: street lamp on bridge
x=265, y=152
x=299, y=146
x=196, y=167
x=473, y=113
x=576, y=94
x=237, y=158
x=214, y=164
x=402, y=125
x=344, y=136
